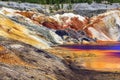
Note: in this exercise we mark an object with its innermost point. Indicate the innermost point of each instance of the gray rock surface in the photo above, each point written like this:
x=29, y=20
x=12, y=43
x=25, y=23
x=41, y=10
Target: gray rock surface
x=23, y=6
x=93, y=9
x=79, y=8
x=49, y=34
x=39, y=64
x=90, y=13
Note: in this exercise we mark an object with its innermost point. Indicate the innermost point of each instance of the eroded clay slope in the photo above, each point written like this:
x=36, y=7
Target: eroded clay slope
x=106, y=26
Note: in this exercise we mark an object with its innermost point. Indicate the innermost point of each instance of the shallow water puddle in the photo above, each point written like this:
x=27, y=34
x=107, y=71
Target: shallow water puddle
x=93, y=57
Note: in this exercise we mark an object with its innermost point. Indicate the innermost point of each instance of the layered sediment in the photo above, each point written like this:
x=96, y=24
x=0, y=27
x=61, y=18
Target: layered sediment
x=27, y=37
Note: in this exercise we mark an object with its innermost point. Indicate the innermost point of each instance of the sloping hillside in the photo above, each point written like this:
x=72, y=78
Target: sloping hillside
x=106, y=26
x=22, y=61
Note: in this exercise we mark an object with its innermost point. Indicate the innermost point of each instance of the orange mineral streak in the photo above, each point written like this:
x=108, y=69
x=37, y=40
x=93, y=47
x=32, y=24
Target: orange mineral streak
x=36, y=18
x=46, y=21
x=41, y=19
x=104, y=64
x=27, y=14
x=76, y=24
x=97, y=23
x=8, y=57
x=10, y=29
x=52, y=24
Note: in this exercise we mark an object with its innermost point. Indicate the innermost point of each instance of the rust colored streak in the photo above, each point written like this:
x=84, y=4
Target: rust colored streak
x=41, y=19
x=35, y=17
x=76, y=23
x=26, y=14
x=46, y=21
x=52, y=25
x=88, y=33
x=97, y=23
